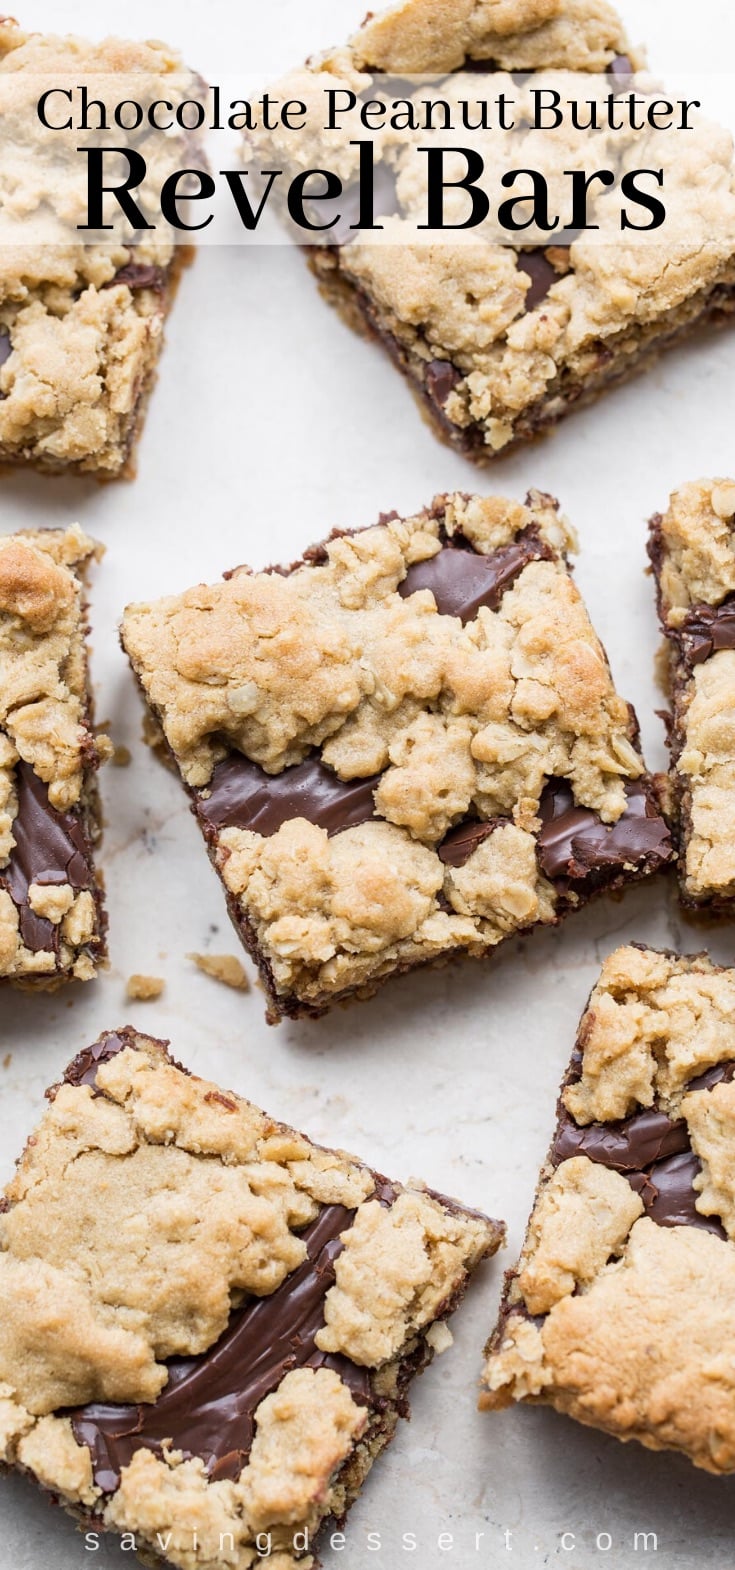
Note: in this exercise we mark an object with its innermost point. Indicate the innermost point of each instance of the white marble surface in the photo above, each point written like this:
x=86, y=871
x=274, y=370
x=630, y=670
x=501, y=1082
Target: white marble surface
x=270, y=425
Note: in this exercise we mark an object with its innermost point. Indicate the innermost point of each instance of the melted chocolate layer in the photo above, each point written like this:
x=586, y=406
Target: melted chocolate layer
x=575, y=844
x=207, y=1408
x=707, y=629
x=626, y=1146
x=668, y=1193
x=459, y=844
x=241, y=795
x=50, y=848
x=719, y=1074
x=83, y=1069
x=652, y=1151
x=461, y=580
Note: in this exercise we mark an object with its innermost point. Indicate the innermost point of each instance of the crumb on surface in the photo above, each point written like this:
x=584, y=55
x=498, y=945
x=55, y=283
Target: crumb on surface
x=144, y=989
x=152, y=735
x=439, y=1337
x=222, y=967
x=121, y=757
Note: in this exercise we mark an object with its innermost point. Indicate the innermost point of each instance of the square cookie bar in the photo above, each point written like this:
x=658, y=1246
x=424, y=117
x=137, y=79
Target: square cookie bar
x=52, y=921
x=81, y=324
x=692, y=548
x=208, y=1325
x=499, y=340
x=405, y=745
x=621, y=1310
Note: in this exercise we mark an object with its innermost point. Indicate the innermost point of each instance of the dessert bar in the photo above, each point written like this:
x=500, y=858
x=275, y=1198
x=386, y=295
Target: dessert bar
x=52, y=921
x=81, y=324
x=405, y=745
x=208, y=1324
x=692, y=548
x=499, y=340
x=621, y=1310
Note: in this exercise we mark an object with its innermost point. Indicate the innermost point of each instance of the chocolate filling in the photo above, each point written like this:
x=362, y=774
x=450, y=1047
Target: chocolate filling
x=479, y=67
x=652, y=1151
x=83, y=1069
x=621, y=65
x=385, y=203
x=241, y=795
x=541, y=273
x=458, y=845
x=208, y=1406
x=626, y=1146
x=441, y=379
x=50, y=849
x=139, y=275
x=575, y=845
x=668, y=1193
x=461, y=580
x=719, y=1074
x=707, y=629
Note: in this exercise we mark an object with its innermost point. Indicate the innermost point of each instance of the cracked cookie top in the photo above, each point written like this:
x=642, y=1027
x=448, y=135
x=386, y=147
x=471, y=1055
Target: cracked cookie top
x=370, y=736
x=356, y=655
x=622, y=1301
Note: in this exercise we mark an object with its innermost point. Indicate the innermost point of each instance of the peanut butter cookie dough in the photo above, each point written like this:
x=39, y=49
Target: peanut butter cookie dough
x=406, y=745
x=81, y=325
x=692, y=548
x=52, y=921
x=208, y=1325
x=500, y=340
x=621, y=1309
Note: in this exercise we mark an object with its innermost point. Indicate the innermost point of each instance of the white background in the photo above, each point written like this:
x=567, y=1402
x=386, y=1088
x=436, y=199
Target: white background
x=271, y=424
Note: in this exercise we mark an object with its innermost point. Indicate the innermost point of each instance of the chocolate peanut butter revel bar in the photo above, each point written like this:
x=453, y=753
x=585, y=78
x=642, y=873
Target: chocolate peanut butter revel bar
x=692, y=547
x=208, y=1325
x=81, y=325
x=52, y=922
x=406, y=745
x=497, y=340
x=621, y=1310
